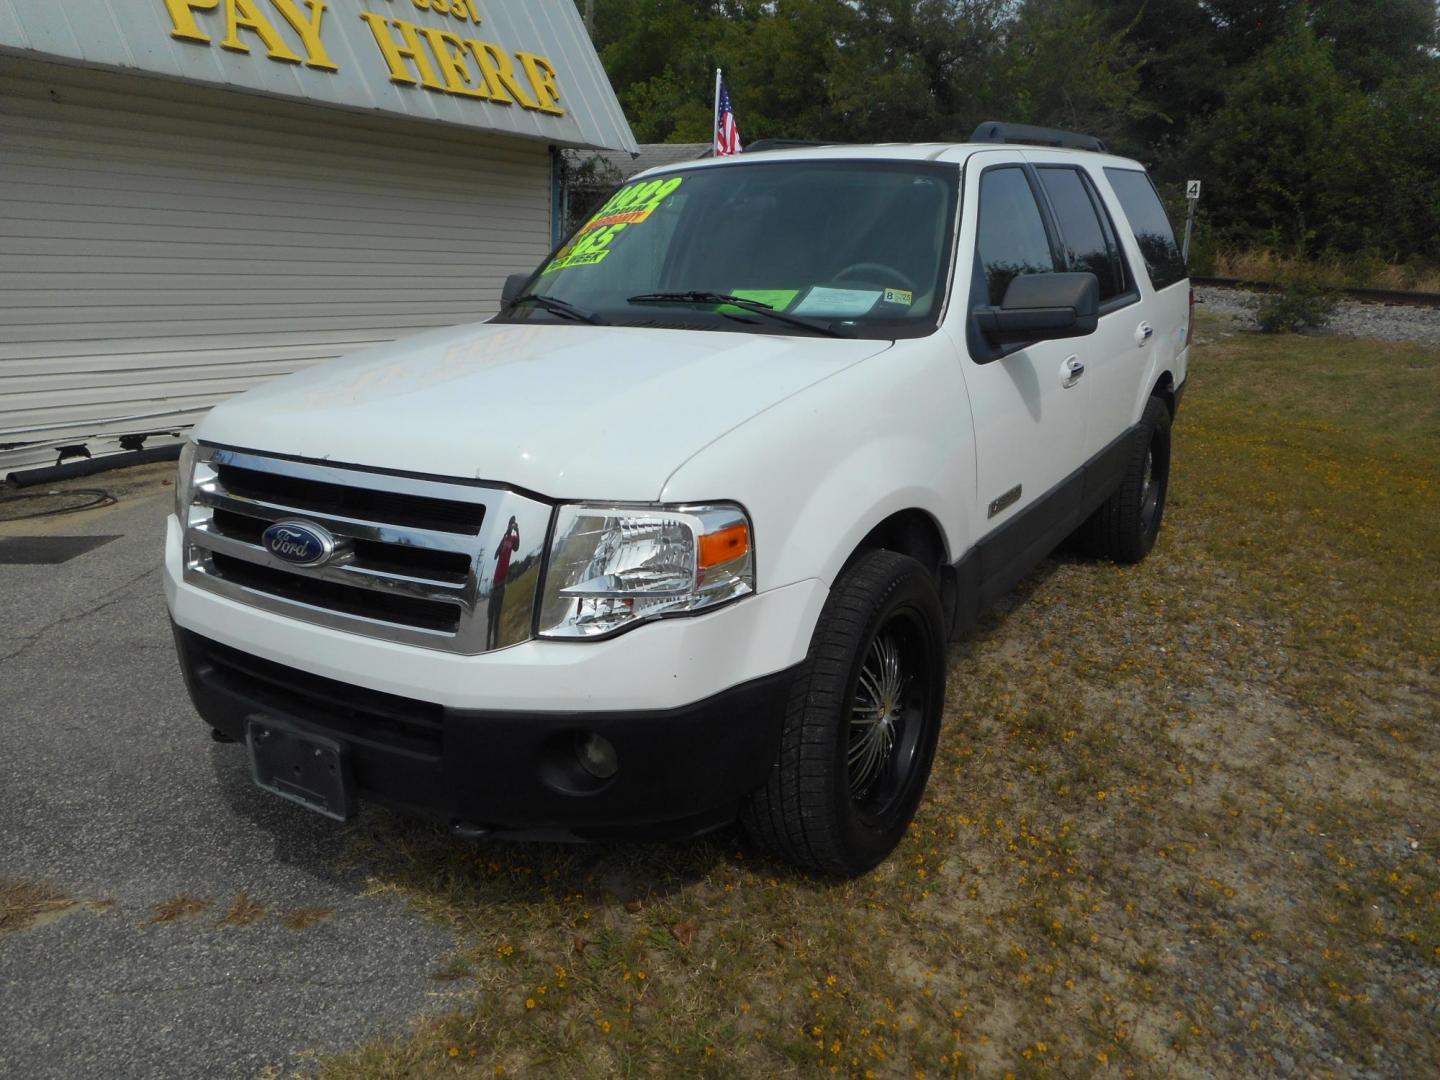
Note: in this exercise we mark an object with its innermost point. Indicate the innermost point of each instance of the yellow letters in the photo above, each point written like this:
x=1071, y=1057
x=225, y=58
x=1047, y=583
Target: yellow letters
x=396, y=55
x=500, y=74
x=461, y=9
x=542, y=77
x=243, y=14
x=415, y=55
x=309, y=31
x=465, y=9
x=449, y=50
x=182, y=19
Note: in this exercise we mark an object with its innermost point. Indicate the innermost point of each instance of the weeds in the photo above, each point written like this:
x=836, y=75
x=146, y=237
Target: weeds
x=1362, y=271
x=179, y=908
x=306, y=917
x=1300, y=301
x=242, y=911
x=26, y=904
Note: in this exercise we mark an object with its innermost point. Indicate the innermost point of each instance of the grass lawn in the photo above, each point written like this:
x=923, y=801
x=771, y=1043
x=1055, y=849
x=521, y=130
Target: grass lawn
x=1185, y=819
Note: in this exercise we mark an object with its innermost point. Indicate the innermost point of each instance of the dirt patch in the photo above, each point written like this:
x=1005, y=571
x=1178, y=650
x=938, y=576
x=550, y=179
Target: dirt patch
x=107, y=491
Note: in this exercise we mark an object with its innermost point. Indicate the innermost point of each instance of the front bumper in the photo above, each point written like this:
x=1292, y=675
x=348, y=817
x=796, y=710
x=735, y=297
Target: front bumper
x=682, y=770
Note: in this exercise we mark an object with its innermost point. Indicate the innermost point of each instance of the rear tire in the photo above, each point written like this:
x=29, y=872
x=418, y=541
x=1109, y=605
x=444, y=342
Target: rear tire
x=1125, y=526
x=862, y=722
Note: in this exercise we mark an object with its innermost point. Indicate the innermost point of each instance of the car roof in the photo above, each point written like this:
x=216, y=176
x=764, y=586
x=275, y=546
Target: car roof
x=948, y=152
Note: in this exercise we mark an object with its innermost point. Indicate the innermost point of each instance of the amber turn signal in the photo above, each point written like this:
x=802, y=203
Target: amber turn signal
x=723, y=546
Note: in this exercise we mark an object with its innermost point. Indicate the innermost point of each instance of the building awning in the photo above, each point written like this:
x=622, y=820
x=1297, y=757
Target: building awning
x=523, y=69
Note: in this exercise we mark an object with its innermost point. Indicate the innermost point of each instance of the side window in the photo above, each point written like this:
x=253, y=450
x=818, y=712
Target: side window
x=1011, y=236
x=1152, y=229
x=1085, y=231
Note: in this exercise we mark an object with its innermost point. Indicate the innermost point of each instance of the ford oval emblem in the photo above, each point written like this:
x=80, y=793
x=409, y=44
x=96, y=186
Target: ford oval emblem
x=298, y=543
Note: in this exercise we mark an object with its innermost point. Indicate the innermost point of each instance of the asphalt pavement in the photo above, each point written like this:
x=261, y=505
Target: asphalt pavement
x=112, y=792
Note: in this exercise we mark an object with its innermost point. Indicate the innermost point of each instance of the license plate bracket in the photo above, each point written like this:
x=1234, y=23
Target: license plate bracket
x=300, y=766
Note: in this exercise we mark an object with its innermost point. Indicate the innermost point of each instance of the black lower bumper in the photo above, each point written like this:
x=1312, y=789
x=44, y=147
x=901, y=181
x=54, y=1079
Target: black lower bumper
x=681, y=771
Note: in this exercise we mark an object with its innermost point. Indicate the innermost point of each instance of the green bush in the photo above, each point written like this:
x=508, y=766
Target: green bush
x=1299, y=301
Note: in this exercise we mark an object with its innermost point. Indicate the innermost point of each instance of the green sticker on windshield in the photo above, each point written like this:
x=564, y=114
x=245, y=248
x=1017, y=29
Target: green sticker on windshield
x=628, y=207
x=779, y=299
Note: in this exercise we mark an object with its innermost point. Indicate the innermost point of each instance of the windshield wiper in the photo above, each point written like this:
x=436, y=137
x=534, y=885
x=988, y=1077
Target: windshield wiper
x=559, y=307
x=754, y=306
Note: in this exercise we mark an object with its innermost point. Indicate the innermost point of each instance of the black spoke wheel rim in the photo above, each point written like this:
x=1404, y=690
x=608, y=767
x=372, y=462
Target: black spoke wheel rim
x=1152, y=491
x=888, y=713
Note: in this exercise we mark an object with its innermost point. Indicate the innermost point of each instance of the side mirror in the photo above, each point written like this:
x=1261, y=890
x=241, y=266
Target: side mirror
x=514, y=286
x=1043, y=307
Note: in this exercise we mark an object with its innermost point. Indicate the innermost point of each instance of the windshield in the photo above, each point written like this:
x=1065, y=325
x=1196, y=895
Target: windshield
x=859, y=247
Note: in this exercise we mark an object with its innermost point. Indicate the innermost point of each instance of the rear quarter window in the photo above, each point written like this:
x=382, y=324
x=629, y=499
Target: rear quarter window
x=1089, y=241
x=1153, y=232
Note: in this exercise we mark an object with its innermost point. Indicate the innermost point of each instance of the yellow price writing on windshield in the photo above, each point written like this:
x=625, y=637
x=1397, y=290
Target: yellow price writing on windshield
x=629, y=206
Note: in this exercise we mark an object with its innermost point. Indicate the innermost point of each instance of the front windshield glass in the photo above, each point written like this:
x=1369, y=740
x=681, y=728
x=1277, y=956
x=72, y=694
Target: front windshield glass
x=862, y=248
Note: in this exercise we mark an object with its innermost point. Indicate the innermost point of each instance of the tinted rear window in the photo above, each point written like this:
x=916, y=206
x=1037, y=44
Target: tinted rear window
x=1152, y=228
x=1089, y=243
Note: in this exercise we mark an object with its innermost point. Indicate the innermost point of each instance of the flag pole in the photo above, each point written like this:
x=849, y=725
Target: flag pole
x=715, y=122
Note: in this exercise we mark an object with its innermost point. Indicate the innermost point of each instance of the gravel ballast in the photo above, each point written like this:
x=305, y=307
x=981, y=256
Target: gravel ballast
x=1382, y=322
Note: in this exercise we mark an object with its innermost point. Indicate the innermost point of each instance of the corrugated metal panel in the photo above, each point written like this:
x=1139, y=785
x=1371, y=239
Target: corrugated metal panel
x=141, y=35
x=165, y=246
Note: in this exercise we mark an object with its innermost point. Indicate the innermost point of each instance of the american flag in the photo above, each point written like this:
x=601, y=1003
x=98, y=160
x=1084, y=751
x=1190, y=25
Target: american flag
x=727, y=132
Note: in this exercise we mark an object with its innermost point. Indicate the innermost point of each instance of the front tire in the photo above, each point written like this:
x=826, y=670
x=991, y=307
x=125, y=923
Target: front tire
x=862, y=723
x=1126, y=525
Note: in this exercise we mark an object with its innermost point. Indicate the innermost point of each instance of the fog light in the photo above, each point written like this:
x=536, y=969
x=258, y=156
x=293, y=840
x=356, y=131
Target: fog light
x=596, y=756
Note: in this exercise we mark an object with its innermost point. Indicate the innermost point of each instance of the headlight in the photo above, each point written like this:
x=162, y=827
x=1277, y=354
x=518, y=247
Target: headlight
x=185, y=478
x=612, y=567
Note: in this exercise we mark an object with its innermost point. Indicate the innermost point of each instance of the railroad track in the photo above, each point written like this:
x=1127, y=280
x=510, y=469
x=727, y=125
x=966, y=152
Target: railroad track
x=1367, y=296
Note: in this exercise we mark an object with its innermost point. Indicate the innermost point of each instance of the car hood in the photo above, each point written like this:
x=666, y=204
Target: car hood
x=570, y=412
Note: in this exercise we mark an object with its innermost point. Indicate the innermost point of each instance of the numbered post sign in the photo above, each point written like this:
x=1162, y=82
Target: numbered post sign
x=1192, y=196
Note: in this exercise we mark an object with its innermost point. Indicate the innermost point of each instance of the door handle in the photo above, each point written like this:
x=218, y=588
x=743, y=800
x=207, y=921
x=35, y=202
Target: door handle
x=1070, y=372
x=1143, y=333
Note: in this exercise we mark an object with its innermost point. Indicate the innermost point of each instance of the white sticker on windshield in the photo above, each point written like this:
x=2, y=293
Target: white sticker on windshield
x=820, y=301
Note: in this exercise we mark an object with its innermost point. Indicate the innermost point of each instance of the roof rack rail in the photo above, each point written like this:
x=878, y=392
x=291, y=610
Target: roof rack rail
x=760, y=146
x=997, y=131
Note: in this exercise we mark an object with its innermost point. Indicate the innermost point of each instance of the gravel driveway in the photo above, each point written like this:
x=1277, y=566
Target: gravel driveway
x=199, y=928
x=1383, y=322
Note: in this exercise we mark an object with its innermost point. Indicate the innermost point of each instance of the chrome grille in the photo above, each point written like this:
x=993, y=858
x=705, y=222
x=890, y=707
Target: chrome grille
x=437, y=563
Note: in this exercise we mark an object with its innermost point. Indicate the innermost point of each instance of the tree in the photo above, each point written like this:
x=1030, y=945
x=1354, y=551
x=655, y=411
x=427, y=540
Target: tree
x=919, y=70
x=1065, y=65
x=1378, y=40
x=1381, y=186
x=1265, y=150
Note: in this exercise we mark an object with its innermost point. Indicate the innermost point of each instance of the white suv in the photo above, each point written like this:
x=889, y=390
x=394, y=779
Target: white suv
x=680, y=536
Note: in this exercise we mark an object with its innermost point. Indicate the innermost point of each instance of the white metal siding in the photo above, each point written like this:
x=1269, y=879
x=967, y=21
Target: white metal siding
x=163, y=246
